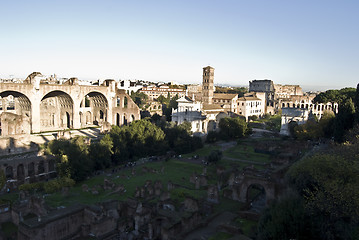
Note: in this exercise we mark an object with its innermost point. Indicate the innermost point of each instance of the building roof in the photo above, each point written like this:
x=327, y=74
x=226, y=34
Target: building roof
x=249, y=99
x=224, y=95
x=184, y=99
x=212, y=107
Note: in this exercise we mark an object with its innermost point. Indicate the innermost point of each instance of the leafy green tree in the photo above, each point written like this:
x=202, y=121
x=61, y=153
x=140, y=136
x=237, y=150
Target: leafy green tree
x=101, y=152
x=338, y=96
x=140, y=138
x=326, y=123
x=139, y=98
x=215, y=156
x=232, y=128
x=309, y=130
x=328, y=184
x=356, y=104
x=284, y=219
x=344, y=119
x=72, y=158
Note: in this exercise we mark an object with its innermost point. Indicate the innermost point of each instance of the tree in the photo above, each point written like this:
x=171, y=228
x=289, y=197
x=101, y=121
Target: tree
x=139, y=98
x=328, y=184
x=344, y=119
x=232, y=128
x=101, y=152
x=338, y=96
x=140, y=138
x=72, y=158
x=214, y=156
x=356, y=104
x=284, y=219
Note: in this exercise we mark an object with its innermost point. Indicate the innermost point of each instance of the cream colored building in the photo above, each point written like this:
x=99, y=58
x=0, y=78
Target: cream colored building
x=251, y=106
x=154, y=92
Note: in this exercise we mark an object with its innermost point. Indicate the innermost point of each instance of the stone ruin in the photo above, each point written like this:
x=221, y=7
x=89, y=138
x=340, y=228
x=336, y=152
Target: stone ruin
x=198, y=180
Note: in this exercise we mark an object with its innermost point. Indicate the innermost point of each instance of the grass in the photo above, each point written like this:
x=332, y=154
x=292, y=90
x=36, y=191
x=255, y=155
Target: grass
x=203, y=152
x=245, y=152
x=176, y=171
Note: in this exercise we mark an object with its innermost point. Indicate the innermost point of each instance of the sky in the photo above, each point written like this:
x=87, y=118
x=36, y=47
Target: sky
x=309, y=43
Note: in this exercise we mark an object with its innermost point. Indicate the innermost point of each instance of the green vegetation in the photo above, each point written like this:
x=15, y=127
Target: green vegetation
x=139, y=98
x=246, y=152
x=324, y=201
x=178, y=172
x=48, y=187
x=238, y=90
x=77, y=160
x=335, y=96
x=232, y=128
x=268, y=122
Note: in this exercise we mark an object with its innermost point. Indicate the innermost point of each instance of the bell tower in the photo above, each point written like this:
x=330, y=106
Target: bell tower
x=208, y=85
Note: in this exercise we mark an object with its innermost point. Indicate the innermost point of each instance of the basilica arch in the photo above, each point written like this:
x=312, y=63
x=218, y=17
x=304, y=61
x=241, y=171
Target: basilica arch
x=15, y=110
x=56, y=111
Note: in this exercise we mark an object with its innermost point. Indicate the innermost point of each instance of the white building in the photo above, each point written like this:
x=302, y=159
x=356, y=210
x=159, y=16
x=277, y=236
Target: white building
x=203, y=117
x=129, y=86
x=251, y=105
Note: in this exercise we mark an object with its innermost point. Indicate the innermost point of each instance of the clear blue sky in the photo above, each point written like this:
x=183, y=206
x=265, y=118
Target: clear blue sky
x=306, y=42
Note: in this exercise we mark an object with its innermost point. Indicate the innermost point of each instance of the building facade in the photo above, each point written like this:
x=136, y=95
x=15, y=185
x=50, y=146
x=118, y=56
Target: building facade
x=154, y=92
x=52, y=107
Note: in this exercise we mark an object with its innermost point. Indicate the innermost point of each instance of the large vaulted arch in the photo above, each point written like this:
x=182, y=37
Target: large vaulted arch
x=15, y=110
x=56, y=111
x=93, y=109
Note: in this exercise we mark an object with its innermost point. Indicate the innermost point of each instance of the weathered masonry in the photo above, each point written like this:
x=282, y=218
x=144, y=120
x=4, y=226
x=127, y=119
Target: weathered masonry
x=33, y=107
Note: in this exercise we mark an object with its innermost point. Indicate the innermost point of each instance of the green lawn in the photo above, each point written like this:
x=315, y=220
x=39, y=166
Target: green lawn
x=245, y=152
x=203, y=152
x=176, y=171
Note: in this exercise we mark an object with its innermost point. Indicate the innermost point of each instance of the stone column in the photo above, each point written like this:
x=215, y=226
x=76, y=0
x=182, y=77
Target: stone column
x=35, y=116
x=76, y=124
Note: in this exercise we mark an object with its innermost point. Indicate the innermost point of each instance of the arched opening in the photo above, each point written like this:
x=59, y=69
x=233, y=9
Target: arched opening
x=68, y=120
x=41, y=167
x=256, y=197
x=31, y=169
x=20, y=173
x=88, y=118
x=51, y=165
x=117, y=119
x=124, y=119
x=15, y=113
x=56, y=111
x=9, y=172
x=97, y=102
x=211, y=125
x=132, y=118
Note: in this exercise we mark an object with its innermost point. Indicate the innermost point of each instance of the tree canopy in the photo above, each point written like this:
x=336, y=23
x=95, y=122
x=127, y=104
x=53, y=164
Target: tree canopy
x=232, y=128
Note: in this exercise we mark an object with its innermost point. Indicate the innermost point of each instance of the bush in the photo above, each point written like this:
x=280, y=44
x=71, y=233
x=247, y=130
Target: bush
x=32, y=186
x=214, y=156
x=57, y=184
x=212, y=137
